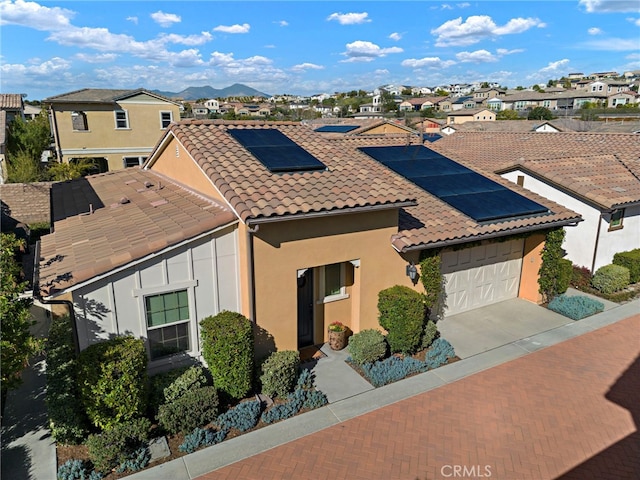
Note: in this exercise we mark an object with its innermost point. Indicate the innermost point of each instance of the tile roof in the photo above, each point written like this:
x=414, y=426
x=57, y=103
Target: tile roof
x=100, y=95
x=601, y=167
x=10, y=101
x=135, y=213
x=352, y=179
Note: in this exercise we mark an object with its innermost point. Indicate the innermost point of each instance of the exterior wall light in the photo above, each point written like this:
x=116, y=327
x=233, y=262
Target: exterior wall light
x=412, y=272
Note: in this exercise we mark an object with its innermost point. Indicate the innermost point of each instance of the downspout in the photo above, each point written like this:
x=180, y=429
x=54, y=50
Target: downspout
x=67, y=303
x=595, y=247
x=56, y=136
x=250, y=272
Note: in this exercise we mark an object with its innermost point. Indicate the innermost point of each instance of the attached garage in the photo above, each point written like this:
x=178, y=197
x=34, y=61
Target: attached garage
x=482, y=275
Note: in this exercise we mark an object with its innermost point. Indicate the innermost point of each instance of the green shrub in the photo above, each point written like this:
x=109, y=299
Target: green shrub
x=565, y=272
x=431, y=278
x=429, y=334
x=112, y=447
x=113, y=380
x=227, y=347
x=549, y=276
x=68, y=422
x=279, y=373
x=610, y=278
x=367, y=346
x=77, y=470
x=575, y=307
x=157, y=385
x=195, y=408
x=630, y=260
x=193, y=377
x=581, y=278
x=402, y=314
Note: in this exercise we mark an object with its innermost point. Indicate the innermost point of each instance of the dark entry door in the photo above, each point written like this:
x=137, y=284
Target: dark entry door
x=305, y=309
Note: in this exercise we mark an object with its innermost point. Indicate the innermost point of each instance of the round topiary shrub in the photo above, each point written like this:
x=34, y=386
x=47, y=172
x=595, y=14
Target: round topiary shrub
x=402, y=314
x=610, y=278
x=113, y=381
x=279, y=373
x=227, y=347
x=367, y=346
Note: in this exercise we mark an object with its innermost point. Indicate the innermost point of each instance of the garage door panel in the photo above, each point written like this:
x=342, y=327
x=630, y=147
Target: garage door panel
x=482, y=275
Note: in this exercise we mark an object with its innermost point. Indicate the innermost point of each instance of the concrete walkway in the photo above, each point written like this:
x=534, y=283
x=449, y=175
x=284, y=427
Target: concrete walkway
x=258, y=453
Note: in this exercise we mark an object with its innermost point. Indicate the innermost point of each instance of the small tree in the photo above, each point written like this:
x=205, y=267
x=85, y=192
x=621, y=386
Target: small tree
x=507, y=115
x=540, y=113
x=551, y=279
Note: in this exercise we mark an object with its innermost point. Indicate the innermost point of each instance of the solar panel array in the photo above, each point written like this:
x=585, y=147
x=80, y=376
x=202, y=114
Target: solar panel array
x=275, y=150
x=336, y=128
x=464, y=189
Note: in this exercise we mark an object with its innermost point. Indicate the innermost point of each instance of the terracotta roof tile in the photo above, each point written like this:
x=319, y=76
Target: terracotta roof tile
x=84, y=245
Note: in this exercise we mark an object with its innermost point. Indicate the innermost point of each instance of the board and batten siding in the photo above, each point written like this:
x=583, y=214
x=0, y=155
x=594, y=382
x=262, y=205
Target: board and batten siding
x=207, y=268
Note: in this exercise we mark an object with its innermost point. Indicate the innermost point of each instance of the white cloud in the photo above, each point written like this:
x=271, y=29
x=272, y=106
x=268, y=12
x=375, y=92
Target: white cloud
x=594, y=31
x=190, y=40
x=553, y=68
x=55, y=66
x=446, y=6
x=599, y=6
x=133, y=20
x=33, y=15
x=463, y=5
x=427, y=62
x=283, y=23
x=633, y=56
x=395, y=36
x=478, y=27
x=96, y=58
x=165, y=19
x=361, y=51
x=613, y=44
x=479, y=56
x=244, y=28
x=504, y=51
x=301, y=67
x=349, y=18
x=381, y=71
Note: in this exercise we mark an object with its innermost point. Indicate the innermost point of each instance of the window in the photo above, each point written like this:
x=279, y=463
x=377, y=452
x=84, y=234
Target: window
x=122, y=119
x=167, y=323
x=129, y=162
x=333, y=283
x=165, y=119
x=615, y=223
x=79, y=121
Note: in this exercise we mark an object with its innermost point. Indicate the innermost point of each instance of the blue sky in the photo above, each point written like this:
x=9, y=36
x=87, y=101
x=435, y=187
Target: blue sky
x=308, y=47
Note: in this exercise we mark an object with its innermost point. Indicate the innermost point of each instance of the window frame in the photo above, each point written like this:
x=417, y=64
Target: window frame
x=141, y=161
x=162, y=122
x=181, y=321
x=616, y=221
x=117, y=120
x=324, y=298
x=85, y=123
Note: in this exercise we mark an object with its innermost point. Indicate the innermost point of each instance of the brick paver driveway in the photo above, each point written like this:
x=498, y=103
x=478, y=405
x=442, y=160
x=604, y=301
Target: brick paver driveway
x=570, y=411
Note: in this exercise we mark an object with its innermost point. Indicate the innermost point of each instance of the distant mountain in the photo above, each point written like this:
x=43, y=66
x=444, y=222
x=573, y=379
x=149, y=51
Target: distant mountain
x=194, y=93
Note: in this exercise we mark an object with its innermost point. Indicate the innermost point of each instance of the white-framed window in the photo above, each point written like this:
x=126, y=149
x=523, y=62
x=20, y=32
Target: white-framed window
x=128, y=162
x=79, y=121
x=333, y=282
x=122, y=119
x=165, y=119
x=615, y=223
x=168, y=323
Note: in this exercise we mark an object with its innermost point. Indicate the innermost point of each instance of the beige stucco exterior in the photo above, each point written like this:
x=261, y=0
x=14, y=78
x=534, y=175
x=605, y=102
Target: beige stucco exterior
x=531, y=262
x=102, y=139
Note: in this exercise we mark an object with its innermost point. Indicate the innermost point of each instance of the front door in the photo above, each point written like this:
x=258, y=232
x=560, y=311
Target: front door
x=305, y=309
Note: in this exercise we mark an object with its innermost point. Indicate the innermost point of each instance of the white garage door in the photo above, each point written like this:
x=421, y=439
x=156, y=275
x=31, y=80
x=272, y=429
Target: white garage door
x=482, y=275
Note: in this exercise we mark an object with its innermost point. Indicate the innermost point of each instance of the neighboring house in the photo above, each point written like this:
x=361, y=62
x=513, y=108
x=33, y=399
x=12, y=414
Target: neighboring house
x=212, y=105
x=114, y=128
x=597, y=175
x=624, y=98
x=470, y=115
x=11, y=106
x=504, y=126
x=293, y=229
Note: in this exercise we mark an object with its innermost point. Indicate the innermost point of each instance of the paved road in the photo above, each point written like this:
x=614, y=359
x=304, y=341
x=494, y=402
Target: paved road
x=570, y=411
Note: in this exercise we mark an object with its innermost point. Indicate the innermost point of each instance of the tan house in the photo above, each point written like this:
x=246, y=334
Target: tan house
x=289, y=227
x=114, y=128
x=470, y=115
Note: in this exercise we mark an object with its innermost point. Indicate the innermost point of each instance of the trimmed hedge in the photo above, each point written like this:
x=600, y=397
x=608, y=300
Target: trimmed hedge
x=193, y=377
x=576, y=307
x=113, y=380
x=227, y=347
x=402, y=314
x=429, y=334
x=194, y=409
x=279, y=373
x=116, y=446
x=610, y=278
x=630, y=260
x=67, y=420
x=367, y=346
x=565, y=273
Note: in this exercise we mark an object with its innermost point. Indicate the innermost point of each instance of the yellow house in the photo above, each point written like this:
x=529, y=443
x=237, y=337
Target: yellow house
x=289, y=227
x=114, y=128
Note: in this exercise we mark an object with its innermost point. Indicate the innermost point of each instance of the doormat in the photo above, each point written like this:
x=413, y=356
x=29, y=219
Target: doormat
x=307, y=354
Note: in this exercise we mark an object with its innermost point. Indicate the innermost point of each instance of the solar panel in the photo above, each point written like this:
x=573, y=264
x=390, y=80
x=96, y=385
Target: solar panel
x=465, y=190
x=336, y=128
x=275, y=150
x=431, y=137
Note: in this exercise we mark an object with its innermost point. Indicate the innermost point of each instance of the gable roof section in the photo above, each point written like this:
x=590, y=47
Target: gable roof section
x=11, y=101
x=137, y=213
x=102, y=96
x=351, y=182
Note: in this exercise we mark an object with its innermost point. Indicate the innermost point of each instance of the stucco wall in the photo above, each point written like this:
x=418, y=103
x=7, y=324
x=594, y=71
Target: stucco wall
x=206, y=268
x=611, y=242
